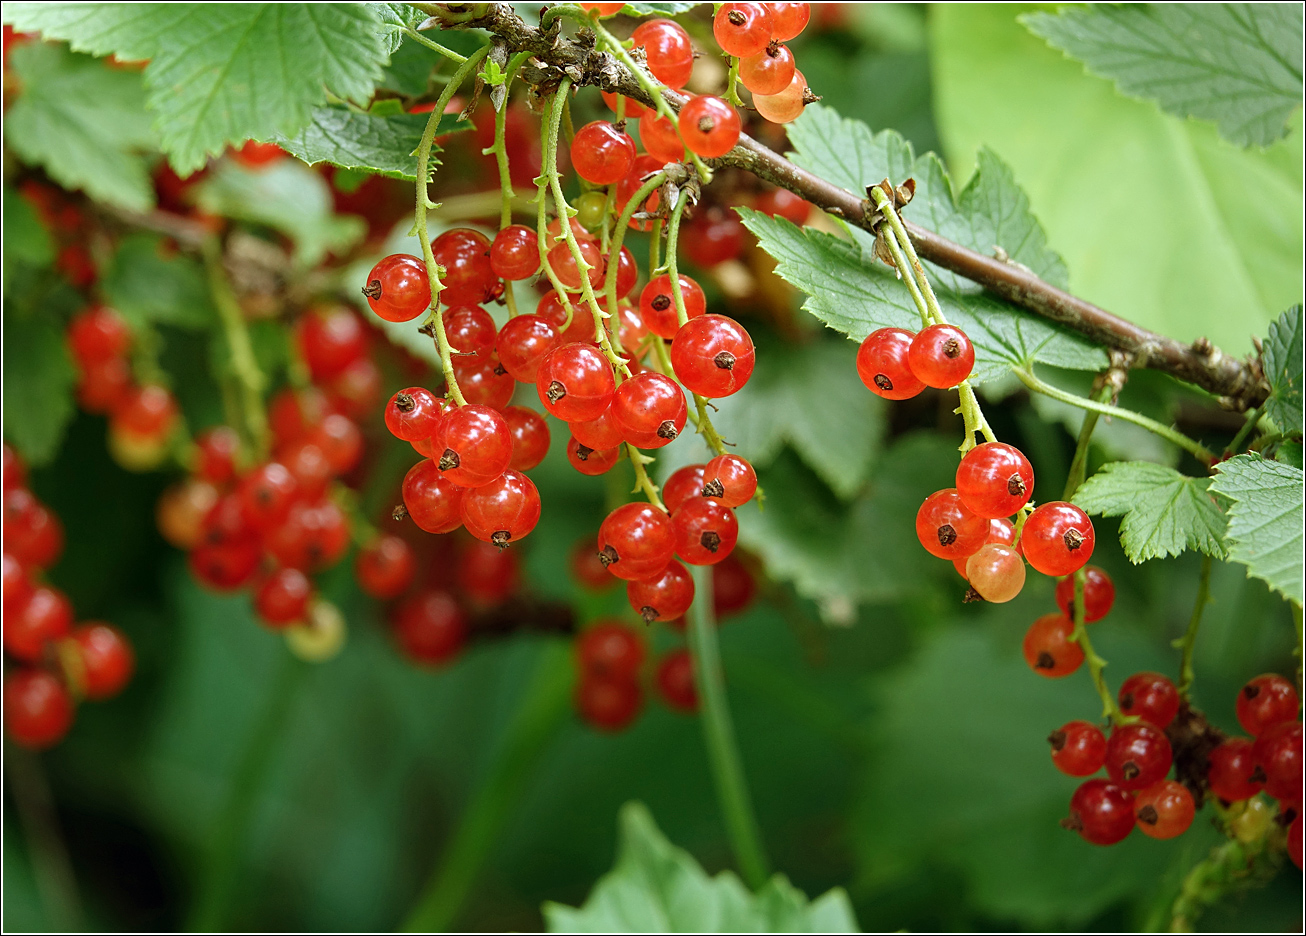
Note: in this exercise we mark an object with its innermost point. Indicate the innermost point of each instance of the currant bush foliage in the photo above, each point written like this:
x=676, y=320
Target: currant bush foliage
x=148, y=286
x=374, y=141
x=1283, y=369
x=1266, y=519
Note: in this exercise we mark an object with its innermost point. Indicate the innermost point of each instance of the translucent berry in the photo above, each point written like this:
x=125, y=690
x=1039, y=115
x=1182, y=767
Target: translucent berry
x=17, y=584
x=1078, y=748
x=226, y=565
x=706, y=531
x=675, y=681
x=1137, y=755
x=712, y=355
x=603, y=9
x=330, y=339
x=523, y=342
x=882, y=364
x=1001, y=531
x=1264, y=702
x=1150, y=696
x=733, y=587
x=599, y=434
x=398, y=288
x=515, y=253
x=587, y=568
x=778, y=202
x=1057, y=538
x=730, y=480
x=468, y=277
x=46, y=616
x=788, y=19
x=1101, y=812
x=106, y=657
x=430, y=627
x=667, y=51
x=947, y=529
x=1164, y=809
x=566, y=269
x=608, y=704
x=484, y=380
x=787, y=105
x=432, y=500
x=683, y=484
x=664, y=597
x=941, y=356
x=308, y=464
x=1099, y=594
x=487, y=574
x=103, y=386
x=581, y=330
x=713, y=237
x=602, y=154
x=634, y=181
x=657, y=306
x=768, y=71
x=266, y=494
x=610, y=649
x=709, y=125
x=651, y=410
x=627, y=273
x=283, y=597
x=503, y=511
x=1277, y=753
x=530, y=437
x=99, y=334
x=32, y=533
x=996, y=572
x=636, y=541
x=385, y=567
x=413, y=413
x=995, y=479
x=633, y=110
x=742, y=29
x=590, y=461
x=314, y=536
x=475, y=445
x=661, y=138
x=38, y=709
x=1230, y=773
x=575, y=382
x=149, y=411
x=1048, y=649
x=215, y=454
x=470, y=329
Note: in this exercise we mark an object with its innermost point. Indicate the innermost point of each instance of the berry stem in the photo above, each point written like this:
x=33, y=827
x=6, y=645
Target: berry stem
x=636, y=203
x=433, y=45
x=1189, y=639
x=541, y=711
x=643, y=483
x=1253, y=417
x=542, y=226
x=655, y=248
x=732, y=80
x=244, y=365
x=499, y=150
x=1229, y=868
x=719, y=735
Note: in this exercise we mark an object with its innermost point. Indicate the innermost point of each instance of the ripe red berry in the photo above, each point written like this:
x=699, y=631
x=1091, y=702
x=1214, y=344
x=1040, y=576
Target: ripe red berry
x=742, y=29
x=356, y=389
x=330, y=339
x=413, y=413
x=995, y=480
x=713, y=237
x=46, y=615
x=293, y=414
x=712, y=355
x=1164, y=809
x=97, y=335
x=430, y=627
x=611, y=650
x=882, y=364
x=103, y=386
x=515, y=253
x=475, y=445
x=398, y=288
x=309, y=465
x=283, y=597
x=587, y=568
x=627, y=276
x=33, y=534
x=667, y=50
x=575, y=382
x=733, y=587
x=1230, y=773
x=706, y=530
x=266, y=494
x=1264, y=702
x=709, y=126
x=608, y=704
x=675, y=681
x=633, y=109
x=581, y=329
x=227, y=564
x=313, y=536
x=1078, y=748
x=523, y=342
x=1137, y=755
x=487, y=574
x=1001, y=532
x=941, y=356
x=148, y=411
x=730, y=480
x=1057, y=538
x=468, y=277
x=785, y=204
x=384, y=567
x=650, y=409
x=636, y=541
x=657, y=306
x=1099, y=594
x=530, y=437
x=215, y=454
x=769, y=71
x=340, y=440
x=1150, y=696
x=603, y=9
x=996, y=572
x=664, y=597
x=683, y=484
x=568, y=272
x=503, y=511
x=789, y=19
x=590, y=461
x=432, y=500
x=17, y=585
x=106, y=657
x=470, y=329
x=1101, y=812
x=786, y=106
x=1048, y=649
x=38, y=709
x=1277, y=754
x=661, y=138
x=602, y=154
x=484, y=380
x=599, y=434
x=947, y=529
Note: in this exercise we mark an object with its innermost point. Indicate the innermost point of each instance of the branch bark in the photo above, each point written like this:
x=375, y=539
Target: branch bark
x=1239, y=383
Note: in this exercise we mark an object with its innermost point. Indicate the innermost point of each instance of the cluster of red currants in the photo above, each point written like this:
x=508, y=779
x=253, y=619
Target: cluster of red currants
x=66, y=222
x=58, y=663
x=610, y=659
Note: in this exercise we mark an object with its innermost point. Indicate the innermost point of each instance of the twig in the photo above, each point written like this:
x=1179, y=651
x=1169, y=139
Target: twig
x=244, y=365
x=1189, y=640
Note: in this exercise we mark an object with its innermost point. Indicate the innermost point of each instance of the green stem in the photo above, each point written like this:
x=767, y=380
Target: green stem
x=231, y=827
x=1199, y=451
x=1236, y=445
x=654, y=248
x=500, y=151
x=244, y=365
x=635, y=204
x=642, y=481
x=732, y=95
x=434, y=46
x=542, y=225
x=1189, y=639
x=52, y=870
x=544, y=706
x=719, y=736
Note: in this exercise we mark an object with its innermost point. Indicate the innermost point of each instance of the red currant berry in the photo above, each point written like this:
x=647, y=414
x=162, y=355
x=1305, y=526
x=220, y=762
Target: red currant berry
x=45, y=616
x=715, y=236
x=385, y=567
x=1048, y=649
x=293, y=414
x=1099, y=594
x=882, y=364
x=515, y=253
x=667, y=50
x=941, y=356
x=608, y=704
x=611, y=650
x=530, y=437
x=1277, y=753
x=470, y=329
x=313, y=536
x=413, y=413
x=38, y=709
x=1101, y=812
x=310, y=468
x=636, y=541
x=1264, y=702
x=484, y=380
x=947, y=529
x=398, y=288
x=282, y=598
x=430, y=627
x=996, y=572
x=590, y=461
x=146, y=411
x=786, y=106
x=266, y=494
x=1078, y=748
x=769, y=71
x=1150, y=696
x=181, y=511
x=733, y=587
x=227, y=564
x=475, y=445
x=995, y=480
x=602, y=154
x=356, y=389
x=33, y=535
x=664, y=597
x=599, y=434
x=650, y=409
x=587, y=568
x=575, y=383
x=565, y=268
x=603, y=9
x=627, y=273
x=1230, y=773
x=487, y=574
x=330, y=340
x=788, y=20
x=683, y=484
x=503, y=511
x=104, y=385
x=1057, y=538
x=709, y=126
x=1002, y=532
x=432, y=500
x=340, y=440
x=633, y=109
x=581, y=329
x=712, y=355
x=1164, y=809
x=661, y=138
x=675, y=681
x=1137, y=755
x=18, y=587
x=106, y=657
x=468, y=277
x=785, y=204
x=15, y=472
x=634, y=181
x=730, y=480
x=523, y=342
x=657, y=306
x=97, y=335
x=742, y=29
x=706, y=531
x=215, y=454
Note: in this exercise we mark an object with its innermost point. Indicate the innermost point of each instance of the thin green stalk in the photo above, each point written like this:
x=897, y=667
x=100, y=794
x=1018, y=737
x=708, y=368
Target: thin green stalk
x=643, y=483
x=544, y=705
x=1199, y=451
x=434, y=46
x=719, y=736
x=542, y=221
x=500, y=151
x=1189, y=639
x=654, y=248
x=635, y=204
x=231, y=827
x=244, y=365
x=915, y=266
x=52, y=870
x=1236, y=445
x=732, y=94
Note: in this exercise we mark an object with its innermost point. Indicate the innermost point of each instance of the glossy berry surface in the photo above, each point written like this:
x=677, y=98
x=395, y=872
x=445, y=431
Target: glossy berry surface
x=575, y=383
x=786, y=106
x=1277, y=753
x=941, y=356
x=283, y=597
x=599, y=434
x=602, y=154
x=1151, y=697
x=432, y=500
x=661, y=137
x=385, y=567
x=564, y=266
x=266, y=494
x=1099, y=594
x=430, y=627
x=733, y=587
x=709, y=126
x=530, y=437
x=1266, y=701
x=664, y=597
x=995, y=480
x=1048, y=649
x=712, y=355
x=1001, y=531
x=706, y=531
x=470, y=330
x=947, y=529
x=215, y=454
x=474, y=445
x=106, y=657
x=610, y=649
x=484, y=380
x=1101, y=812
x=632, y=109
x=468, y=277
x=98, y=334
x=1164, y=809
x=657, y=306
x=882, y=364
x=730, y=480
x=45, y=616
x=413, y=413
x=503, y=511
x=1057, y=539
x=713, y=237
x=636, y=541
x=146, y=411
x=742, y=29
x=768, y=71
x=398, y=288
x=667, y=50
x=1078, y=748
x=314, y=536
x=996, y=572
x=608, y=704
x=788, y=20
x=589, y=461
x=651, y=410
x=675, y=681
x=523, y=342
x=515, y=253
x=683, y=484
x=38, y=709
x=1137, y=755
x=1231, y=769
x=330, y=339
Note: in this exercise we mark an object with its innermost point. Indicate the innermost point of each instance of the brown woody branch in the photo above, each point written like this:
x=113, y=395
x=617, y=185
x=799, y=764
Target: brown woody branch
x=1239, y=383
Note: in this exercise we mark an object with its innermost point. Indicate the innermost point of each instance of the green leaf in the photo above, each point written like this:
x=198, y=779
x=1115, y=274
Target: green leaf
x=393, y=18
x=1164, y=512
x=38, y=386
x=385, y=145
x=1143, y=206
x=26, y=238
x=1239, y=64
x=148, y=283
x=657, y=887
x=1266, y=519
x=657, y=9
x=1283, y=369
x=83, y=122
x=223, y=73
x=288, y=197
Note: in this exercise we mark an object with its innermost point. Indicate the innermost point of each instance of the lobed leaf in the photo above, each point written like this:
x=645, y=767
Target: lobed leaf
x=1283, y=351
x=146, y=285
x=38, y=386
x=1265, y=520
x=385, y=144
x=26, y=239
